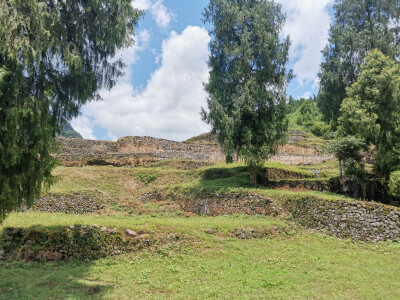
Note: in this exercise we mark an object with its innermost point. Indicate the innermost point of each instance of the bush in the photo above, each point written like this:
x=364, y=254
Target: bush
x=147, y=178
x=348, y=151
x=394, y=184
x=320, y=129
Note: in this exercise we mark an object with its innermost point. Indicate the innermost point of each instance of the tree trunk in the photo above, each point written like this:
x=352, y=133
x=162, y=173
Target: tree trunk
x=253, y=178
x=340, y=169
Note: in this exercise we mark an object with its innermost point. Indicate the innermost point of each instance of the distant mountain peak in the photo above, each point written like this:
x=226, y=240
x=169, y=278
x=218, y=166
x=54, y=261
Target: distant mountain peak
x=68, y=131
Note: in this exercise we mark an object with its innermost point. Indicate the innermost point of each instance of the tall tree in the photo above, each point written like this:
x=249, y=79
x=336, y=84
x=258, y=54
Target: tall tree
x=359, y=27
x=371, y=111
x=54, y=56
x=248, y=78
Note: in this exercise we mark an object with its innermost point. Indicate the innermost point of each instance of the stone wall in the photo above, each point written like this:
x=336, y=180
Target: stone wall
x=70, y=149
x=356, y=220
x=230, y=203
x=73, y=242
x=295, y=160
x=365, y=221
x=170, y=149
x=144, y=150
x=72, y=203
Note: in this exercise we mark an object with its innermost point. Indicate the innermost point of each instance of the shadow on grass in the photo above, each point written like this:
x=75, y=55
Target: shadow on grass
x=63, y=280
x=53, y=262
x=225, y=178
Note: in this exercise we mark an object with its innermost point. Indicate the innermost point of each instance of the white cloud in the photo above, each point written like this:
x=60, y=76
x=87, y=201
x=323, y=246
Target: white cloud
x=84, y=126
x=307, y=24
x=170, y=104
x=306, y=95
x=160, y=13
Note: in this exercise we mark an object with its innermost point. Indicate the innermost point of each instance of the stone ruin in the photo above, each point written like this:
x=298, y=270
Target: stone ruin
x=141, y=151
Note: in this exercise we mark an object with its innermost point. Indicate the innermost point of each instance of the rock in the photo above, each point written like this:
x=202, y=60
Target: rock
x=104, y=229
x=144, y=236
x=95, y=226
x=49, y=256
x=71, y=226
x=244, y=234
x=131, y=233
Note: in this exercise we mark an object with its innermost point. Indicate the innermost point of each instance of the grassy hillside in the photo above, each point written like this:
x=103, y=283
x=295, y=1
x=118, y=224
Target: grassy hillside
x=209, y=258
x=209, y=263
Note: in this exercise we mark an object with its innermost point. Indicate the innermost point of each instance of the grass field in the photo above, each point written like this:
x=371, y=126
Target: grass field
x=208, y=261
x=296, y=265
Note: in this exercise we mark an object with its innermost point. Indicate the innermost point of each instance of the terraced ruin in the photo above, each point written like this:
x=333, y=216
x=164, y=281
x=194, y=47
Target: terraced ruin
x=143, y=204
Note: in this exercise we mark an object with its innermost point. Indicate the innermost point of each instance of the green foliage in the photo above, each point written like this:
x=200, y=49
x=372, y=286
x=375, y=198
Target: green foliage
x=305, y=115
x=147, y=178
x=394, y=184
x=347, y=151
x=371, y=110
x=247, y=103
x=359, y=27
x=321, y=129
x=54, y=57
x=308, y=112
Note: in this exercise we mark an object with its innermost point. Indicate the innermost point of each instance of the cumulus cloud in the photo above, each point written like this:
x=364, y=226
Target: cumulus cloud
x=307, y=24
x=170, y=104
x=160, y=13
x=83, y=125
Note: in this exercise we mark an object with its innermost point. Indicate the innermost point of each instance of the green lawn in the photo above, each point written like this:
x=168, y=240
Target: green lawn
x=297, y=265
x=207, y=261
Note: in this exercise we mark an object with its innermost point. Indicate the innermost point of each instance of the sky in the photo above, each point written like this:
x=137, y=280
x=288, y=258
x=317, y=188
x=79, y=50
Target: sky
x=162, y=91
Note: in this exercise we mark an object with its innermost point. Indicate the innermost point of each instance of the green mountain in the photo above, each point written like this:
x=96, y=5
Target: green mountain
x=69, y=132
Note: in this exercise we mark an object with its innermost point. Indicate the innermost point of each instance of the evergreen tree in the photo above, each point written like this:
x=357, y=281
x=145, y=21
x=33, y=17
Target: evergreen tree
x=359, y=27
x=54, y=57
x=247, y=103
x=371, y=111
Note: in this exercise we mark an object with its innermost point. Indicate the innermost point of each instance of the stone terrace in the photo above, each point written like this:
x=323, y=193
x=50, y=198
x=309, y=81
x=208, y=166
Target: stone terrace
x=143, y=150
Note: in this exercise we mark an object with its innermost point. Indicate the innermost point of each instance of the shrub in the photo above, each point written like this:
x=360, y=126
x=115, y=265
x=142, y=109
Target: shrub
x=394, y=184
x=147, y=178
x=320, y=129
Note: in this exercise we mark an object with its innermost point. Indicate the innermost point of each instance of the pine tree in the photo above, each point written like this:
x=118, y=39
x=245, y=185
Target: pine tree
x=371, y=111
x=359, y=26
x=54, y=57
x=248, y=78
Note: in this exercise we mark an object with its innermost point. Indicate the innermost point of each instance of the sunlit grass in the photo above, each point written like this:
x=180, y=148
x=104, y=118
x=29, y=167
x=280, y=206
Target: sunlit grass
x=210, y=266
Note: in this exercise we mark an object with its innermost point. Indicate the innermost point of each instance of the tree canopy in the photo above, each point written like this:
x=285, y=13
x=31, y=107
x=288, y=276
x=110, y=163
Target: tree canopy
x=248, y=78
x=54, y=57
x=371, y=110
x=359, y=26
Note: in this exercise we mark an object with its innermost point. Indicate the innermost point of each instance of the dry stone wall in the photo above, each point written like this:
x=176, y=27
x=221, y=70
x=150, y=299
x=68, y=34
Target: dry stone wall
x=365, y=221
x=72, y=203
x=74, y=242
x=215, y=204
x=141, y=151
x=170, y=149
x=356, y=220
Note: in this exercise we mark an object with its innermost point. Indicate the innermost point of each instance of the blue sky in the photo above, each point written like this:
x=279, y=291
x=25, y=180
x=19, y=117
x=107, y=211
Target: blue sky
x=162, y=92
